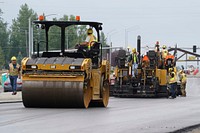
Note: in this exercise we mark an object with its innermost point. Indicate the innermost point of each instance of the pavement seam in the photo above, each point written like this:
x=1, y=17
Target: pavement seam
x=10, y=102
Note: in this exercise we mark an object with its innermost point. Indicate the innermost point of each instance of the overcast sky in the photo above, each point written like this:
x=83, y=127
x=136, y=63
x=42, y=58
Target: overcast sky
x=168, y=21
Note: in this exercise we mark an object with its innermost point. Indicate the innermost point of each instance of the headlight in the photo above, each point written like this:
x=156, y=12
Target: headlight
x=53, y=67
x=74, y=67
x=33, y=67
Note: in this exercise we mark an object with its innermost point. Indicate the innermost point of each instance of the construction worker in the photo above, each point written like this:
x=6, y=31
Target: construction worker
x=134, y=61
x=169, y=61
x=164, y=52
x=183, y=80
x=172, y=83
x=14, y=73
x=90, y=39
x=157, y=47
x=145, y=61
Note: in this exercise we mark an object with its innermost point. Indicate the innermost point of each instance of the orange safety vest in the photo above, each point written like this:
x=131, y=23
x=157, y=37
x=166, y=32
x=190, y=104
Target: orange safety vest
x=169, y=57
x=145, y=58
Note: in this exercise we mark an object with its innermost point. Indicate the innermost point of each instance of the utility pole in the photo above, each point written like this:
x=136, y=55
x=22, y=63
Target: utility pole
x=30, y=34
x=27, y=49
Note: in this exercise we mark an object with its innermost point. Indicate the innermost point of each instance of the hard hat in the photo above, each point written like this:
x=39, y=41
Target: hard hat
x=164, y=47
x=134, y=50
x=170, y=69
x=89, y=31
x=13, y=58
x=181, y=71
x=128, y=47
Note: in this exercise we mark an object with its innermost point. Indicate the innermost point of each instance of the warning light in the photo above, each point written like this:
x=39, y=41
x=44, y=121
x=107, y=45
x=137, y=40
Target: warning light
x=41, y=17
x=78, y=18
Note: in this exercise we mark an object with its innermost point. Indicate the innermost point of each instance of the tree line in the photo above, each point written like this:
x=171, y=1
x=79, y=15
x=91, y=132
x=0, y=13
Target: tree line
x=14, y=39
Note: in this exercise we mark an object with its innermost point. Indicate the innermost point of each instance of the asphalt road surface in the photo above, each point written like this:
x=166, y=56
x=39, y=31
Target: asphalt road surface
x=134, y=115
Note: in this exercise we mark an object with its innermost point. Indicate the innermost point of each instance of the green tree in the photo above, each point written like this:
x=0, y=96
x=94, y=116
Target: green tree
x=2, y=59
x=4, y=37
x=103, y=39
x=19, y=31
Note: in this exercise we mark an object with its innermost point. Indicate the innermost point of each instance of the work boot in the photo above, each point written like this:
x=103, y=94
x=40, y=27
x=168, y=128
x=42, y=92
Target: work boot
x=14, y=93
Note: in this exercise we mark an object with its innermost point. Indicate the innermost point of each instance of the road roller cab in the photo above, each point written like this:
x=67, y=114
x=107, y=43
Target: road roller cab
x=66, y=77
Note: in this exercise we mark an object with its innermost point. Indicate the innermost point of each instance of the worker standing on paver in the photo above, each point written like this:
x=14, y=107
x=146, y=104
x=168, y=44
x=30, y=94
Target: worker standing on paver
x=157, y=47
x=172, y=84
x=14, y=73
x=183, y=80
x=164, y=52
x=133, y=59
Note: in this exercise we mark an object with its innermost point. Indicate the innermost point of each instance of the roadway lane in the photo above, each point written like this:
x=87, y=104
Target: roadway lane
x=122, y=115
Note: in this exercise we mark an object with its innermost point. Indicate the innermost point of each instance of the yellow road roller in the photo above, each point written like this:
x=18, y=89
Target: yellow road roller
x=74, y=78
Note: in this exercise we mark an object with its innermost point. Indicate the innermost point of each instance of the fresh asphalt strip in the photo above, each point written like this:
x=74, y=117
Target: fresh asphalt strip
x=187, y=129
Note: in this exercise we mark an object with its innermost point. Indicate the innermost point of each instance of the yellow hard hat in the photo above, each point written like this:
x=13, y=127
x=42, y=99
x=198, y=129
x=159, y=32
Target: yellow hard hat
x=164, y=47
x=171, y=69
x=89, y=31
x=13, y=58
x=134, y=50
x=181, y=71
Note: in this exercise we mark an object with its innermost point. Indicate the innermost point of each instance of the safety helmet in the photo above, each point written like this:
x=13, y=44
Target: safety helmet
x=89, y=31
x=13, y=58
x=164, y=47
x=181, y=71
x=171, y=69
x=134, y=50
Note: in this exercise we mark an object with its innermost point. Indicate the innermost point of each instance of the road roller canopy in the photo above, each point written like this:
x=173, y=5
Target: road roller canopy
x=63, y=30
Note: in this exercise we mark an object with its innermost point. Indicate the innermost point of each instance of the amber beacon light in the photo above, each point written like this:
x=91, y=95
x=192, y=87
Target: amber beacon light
x=78, y=18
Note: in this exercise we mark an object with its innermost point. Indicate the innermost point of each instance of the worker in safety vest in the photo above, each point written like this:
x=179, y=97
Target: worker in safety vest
x=145, y=61
x=183, y=80
x=164, y=52
x=133, y=59
x=169, y=61
x=14, y=73
x=172, y=84
x=90, y=39
x=157, y=47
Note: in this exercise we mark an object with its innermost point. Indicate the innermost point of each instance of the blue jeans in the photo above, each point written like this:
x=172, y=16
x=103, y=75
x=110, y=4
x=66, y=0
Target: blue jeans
x=173, y=87
x=13, y=82
x=134, y=69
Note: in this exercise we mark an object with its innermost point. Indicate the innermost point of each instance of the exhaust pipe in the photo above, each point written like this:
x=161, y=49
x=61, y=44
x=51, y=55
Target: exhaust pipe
x=139, y=47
